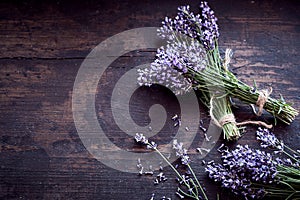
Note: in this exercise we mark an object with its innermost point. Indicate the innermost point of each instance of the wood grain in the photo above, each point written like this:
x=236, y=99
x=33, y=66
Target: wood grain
x=42, y=45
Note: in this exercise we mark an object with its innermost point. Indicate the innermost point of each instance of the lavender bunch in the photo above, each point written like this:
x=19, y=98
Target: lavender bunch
x=192, y=185
x=215, y=80
x=254, y=174
x=191, y=46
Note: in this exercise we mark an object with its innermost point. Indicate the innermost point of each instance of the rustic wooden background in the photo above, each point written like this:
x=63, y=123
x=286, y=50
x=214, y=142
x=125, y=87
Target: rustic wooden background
x=42, y=45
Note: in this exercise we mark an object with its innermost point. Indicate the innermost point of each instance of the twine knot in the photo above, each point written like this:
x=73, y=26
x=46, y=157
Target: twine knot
x=228, y=118
x=227, y=58
x=262, y=99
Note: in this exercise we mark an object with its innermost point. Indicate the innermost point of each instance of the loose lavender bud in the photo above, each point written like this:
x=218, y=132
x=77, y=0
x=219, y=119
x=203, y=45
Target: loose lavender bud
x=268, y=139
x=181, y=152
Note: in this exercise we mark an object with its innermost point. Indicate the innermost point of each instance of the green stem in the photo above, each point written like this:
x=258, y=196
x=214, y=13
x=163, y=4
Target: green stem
x=290, y=156
x=292, y=150
x=177, y=173
x=191, y=170
x=227, y=82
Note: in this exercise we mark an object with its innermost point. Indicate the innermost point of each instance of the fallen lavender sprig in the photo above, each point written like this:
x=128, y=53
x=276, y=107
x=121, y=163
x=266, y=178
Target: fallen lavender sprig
x=254, y=174
x=192, y=184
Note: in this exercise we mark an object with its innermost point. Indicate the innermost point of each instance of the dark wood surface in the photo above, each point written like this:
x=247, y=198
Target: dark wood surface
x=42, y=45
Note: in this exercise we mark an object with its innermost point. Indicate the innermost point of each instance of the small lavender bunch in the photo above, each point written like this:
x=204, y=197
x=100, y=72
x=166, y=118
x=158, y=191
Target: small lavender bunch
x=190, y=46
x=192, y=185
x=254, y=174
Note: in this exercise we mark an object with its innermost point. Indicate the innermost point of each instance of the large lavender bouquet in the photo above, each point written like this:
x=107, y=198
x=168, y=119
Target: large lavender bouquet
x=191, y=60
x=191, y=49
x=254, y=174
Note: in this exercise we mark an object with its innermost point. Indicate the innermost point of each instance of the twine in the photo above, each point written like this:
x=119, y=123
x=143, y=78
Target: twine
x=262, y=99
x=227, y=58
x=229, y=118
x=259, y=123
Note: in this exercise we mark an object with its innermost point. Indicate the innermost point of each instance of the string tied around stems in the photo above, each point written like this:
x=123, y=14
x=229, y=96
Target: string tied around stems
x=227, y=58
x=230, y=118
x=262, y=99
x=227, y=118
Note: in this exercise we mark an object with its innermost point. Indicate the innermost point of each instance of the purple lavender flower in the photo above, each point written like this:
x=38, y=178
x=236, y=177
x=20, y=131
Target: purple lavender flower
x=152, y=145
x=139, y=137
x=209, y=26
x=242, y=167
x=181, y=152
x=255, y=165
x=268, y=139
x=167, y=76
x=182, y=55
x=172, y=62
x=231, y=180
x=202, y=27
x=184, y=23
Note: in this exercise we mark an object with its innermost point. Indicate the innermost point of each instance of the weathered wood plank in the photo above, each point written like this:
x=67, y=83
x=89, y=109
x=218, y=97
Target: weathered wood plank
x=42, y=45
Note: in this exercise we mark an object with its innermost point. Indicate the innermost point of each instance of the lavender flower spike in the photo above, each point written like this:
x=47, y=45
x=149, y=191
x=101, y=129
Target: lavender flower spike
x=172, y=62
x=209, y=26
x=268, y=139
x=139, y=137
x=181, y=152
x=202, y=27
x=185, y=23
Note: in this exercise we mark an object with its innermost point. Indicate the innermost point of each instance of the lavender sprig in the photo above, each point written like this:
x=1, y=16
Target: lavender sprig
x=209, y=26
x=185, y=23
x=202, y=27
x=269, y=140
x=181, y=152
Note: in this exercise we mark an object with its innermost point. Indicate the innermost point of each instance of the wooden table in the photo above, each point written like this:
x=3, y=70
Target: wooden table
x=43, y=45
